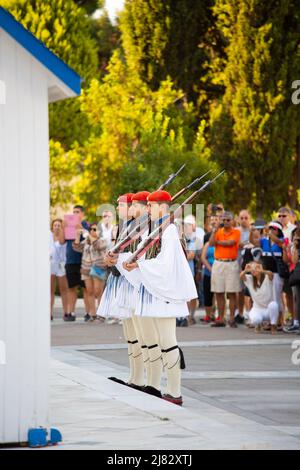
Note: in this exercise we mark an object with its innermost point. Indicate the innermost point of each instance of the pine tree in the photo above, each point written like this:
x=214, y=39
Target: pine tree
x=254, y=127
x=164, y=38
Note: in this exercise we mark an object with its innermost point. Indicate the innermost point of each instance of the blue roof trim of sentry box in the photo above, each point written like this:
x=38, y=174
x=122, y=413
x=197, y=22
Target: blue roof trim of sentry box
x=26, y=39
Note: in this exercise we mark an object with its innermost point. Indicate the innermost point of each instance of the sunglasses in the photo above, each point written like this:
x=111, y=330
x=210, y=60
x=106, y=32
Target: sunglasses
x=93, y=230
x=227, y=220
x=282, y=215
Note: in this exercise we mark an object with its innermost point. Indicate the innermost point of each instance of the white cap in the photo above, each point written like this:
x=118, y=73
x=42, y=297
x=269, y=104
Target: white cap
x=190, y=219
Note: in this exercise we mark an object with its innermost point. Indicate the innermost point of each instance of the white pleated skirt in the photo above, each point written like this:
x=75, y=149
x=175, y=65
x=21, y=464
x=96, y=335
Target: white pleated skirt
x=109, y=306
x=150, y=306
x=127, y=295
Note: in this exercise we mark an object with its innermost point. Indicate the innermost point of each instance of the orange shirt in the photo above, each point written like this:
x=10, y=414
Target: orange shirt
x=227, y=252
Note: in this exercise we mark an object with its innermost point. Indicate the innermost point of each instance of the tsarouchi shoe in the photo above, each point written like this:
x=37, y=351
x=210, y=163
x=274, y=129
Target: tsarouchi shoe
x=152, y=391
x=176, y=401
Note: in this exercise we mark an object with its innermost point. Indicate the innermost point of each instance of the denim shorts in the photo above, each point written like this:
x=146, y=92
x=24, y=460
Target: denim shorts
x=98, y=273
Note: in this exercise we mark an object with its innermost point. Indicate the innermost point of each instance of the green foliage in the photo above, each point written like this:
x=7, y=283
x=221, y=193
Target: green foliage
x=107, y=36
x=63, y=167
x=254, y=126
x=139, y=136
x=66, y=30
x=163, y=38
x=90, y=5
x=206, y=82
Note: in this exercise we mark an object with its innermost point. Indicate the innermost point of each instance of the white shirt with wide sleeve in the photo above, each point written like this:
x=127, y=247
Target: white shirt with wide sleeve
x=168, y=276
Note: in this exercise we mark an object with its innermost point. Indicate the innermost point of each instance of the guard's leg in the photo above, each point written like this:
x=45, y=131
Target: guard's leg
x=137, y=375
x=130, y=357
x=130, y=350
x=150, y=336
x=145, y=353
x=173, y=358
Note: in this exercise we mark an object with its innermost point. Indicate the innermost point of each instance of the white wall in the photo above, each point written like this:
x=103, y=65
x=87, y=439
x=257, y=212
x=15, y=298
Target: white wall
x=24, y=243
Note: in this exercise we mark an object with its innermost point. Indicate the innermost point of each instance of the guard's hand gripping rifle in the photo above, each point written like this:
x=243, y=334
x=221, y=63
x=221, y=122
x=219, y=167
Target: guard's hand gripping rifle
x=142, y=224
x=152, y=237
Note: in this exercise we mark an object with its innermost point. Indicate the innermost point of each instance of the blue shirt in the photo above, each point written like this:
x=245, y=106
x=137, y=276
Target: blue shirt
x=210, y=256
x=191, y=246
x=73, y=257
x=270, y=252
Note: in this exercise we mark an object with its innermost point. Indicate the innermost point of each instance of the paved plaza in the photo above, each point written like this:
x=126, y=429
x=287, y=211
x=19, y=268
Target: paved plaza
x=240, y=390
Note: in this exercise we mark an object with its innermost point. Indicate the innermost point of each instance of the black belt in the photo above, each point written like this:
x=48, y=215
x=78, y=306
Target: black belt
x=226, y=260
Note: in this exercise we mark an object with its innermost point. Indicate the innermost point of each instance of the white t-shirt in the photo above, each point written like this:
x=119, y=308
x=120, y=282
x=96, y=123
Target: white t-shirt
x=199, y=238
x=107, y=234
x=287, y=231
x=263, y=295
x=58, y=252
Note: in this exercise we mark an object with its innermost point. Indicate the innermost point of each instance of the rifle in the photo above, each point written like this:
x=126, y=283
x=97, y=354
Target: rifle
x=152, y=237
x=143, y=222
x=171, y=178
x=189, y=186
x=168, y=181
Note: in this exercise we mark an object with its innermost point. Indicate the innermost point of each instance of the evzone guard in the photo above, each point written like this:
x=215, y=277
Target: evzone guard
x=163, y=284
x=150, y=290
x=108, y=306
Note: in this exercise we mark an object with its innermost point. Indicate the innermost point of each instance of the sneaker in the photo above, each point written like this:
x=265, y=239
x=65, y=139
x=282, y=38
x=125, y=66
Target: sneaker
x=233, y=324
x=66, y=317
x=184, y=322
x=291, y=329
x=86, y=317
x=207, y=319
x=72, y=317
x=93, y=318
x=274, y=329
x=258, y=329
x=112, y=321
x=239, y=319
x=176, y=401
x=218, y=323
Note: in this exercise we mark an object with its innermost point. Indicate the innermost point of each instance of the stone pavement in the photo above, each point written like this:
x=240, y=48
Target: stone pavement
x=241, y=391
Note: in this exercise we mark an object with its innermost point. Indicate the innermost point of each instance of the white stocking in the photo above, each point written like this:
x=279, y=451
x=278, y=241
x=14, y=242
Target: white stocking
x=130, y=358
x=150, y=336
x=168, y=343
x=137, y=357
x=145, y=353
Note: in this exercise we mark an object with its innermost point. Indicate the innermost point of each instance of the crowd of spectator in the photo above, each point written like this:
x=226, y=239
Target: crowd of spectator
x=250, y=268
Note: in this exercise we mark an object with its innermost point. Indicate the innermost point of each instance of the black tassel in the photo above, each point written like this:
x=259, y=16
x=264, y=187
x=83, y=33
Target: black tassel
x=182, y=361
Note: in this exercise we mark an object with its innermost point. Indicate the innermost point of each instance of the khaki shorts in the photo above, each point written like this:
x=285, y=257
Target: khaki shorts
x=225, y=277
